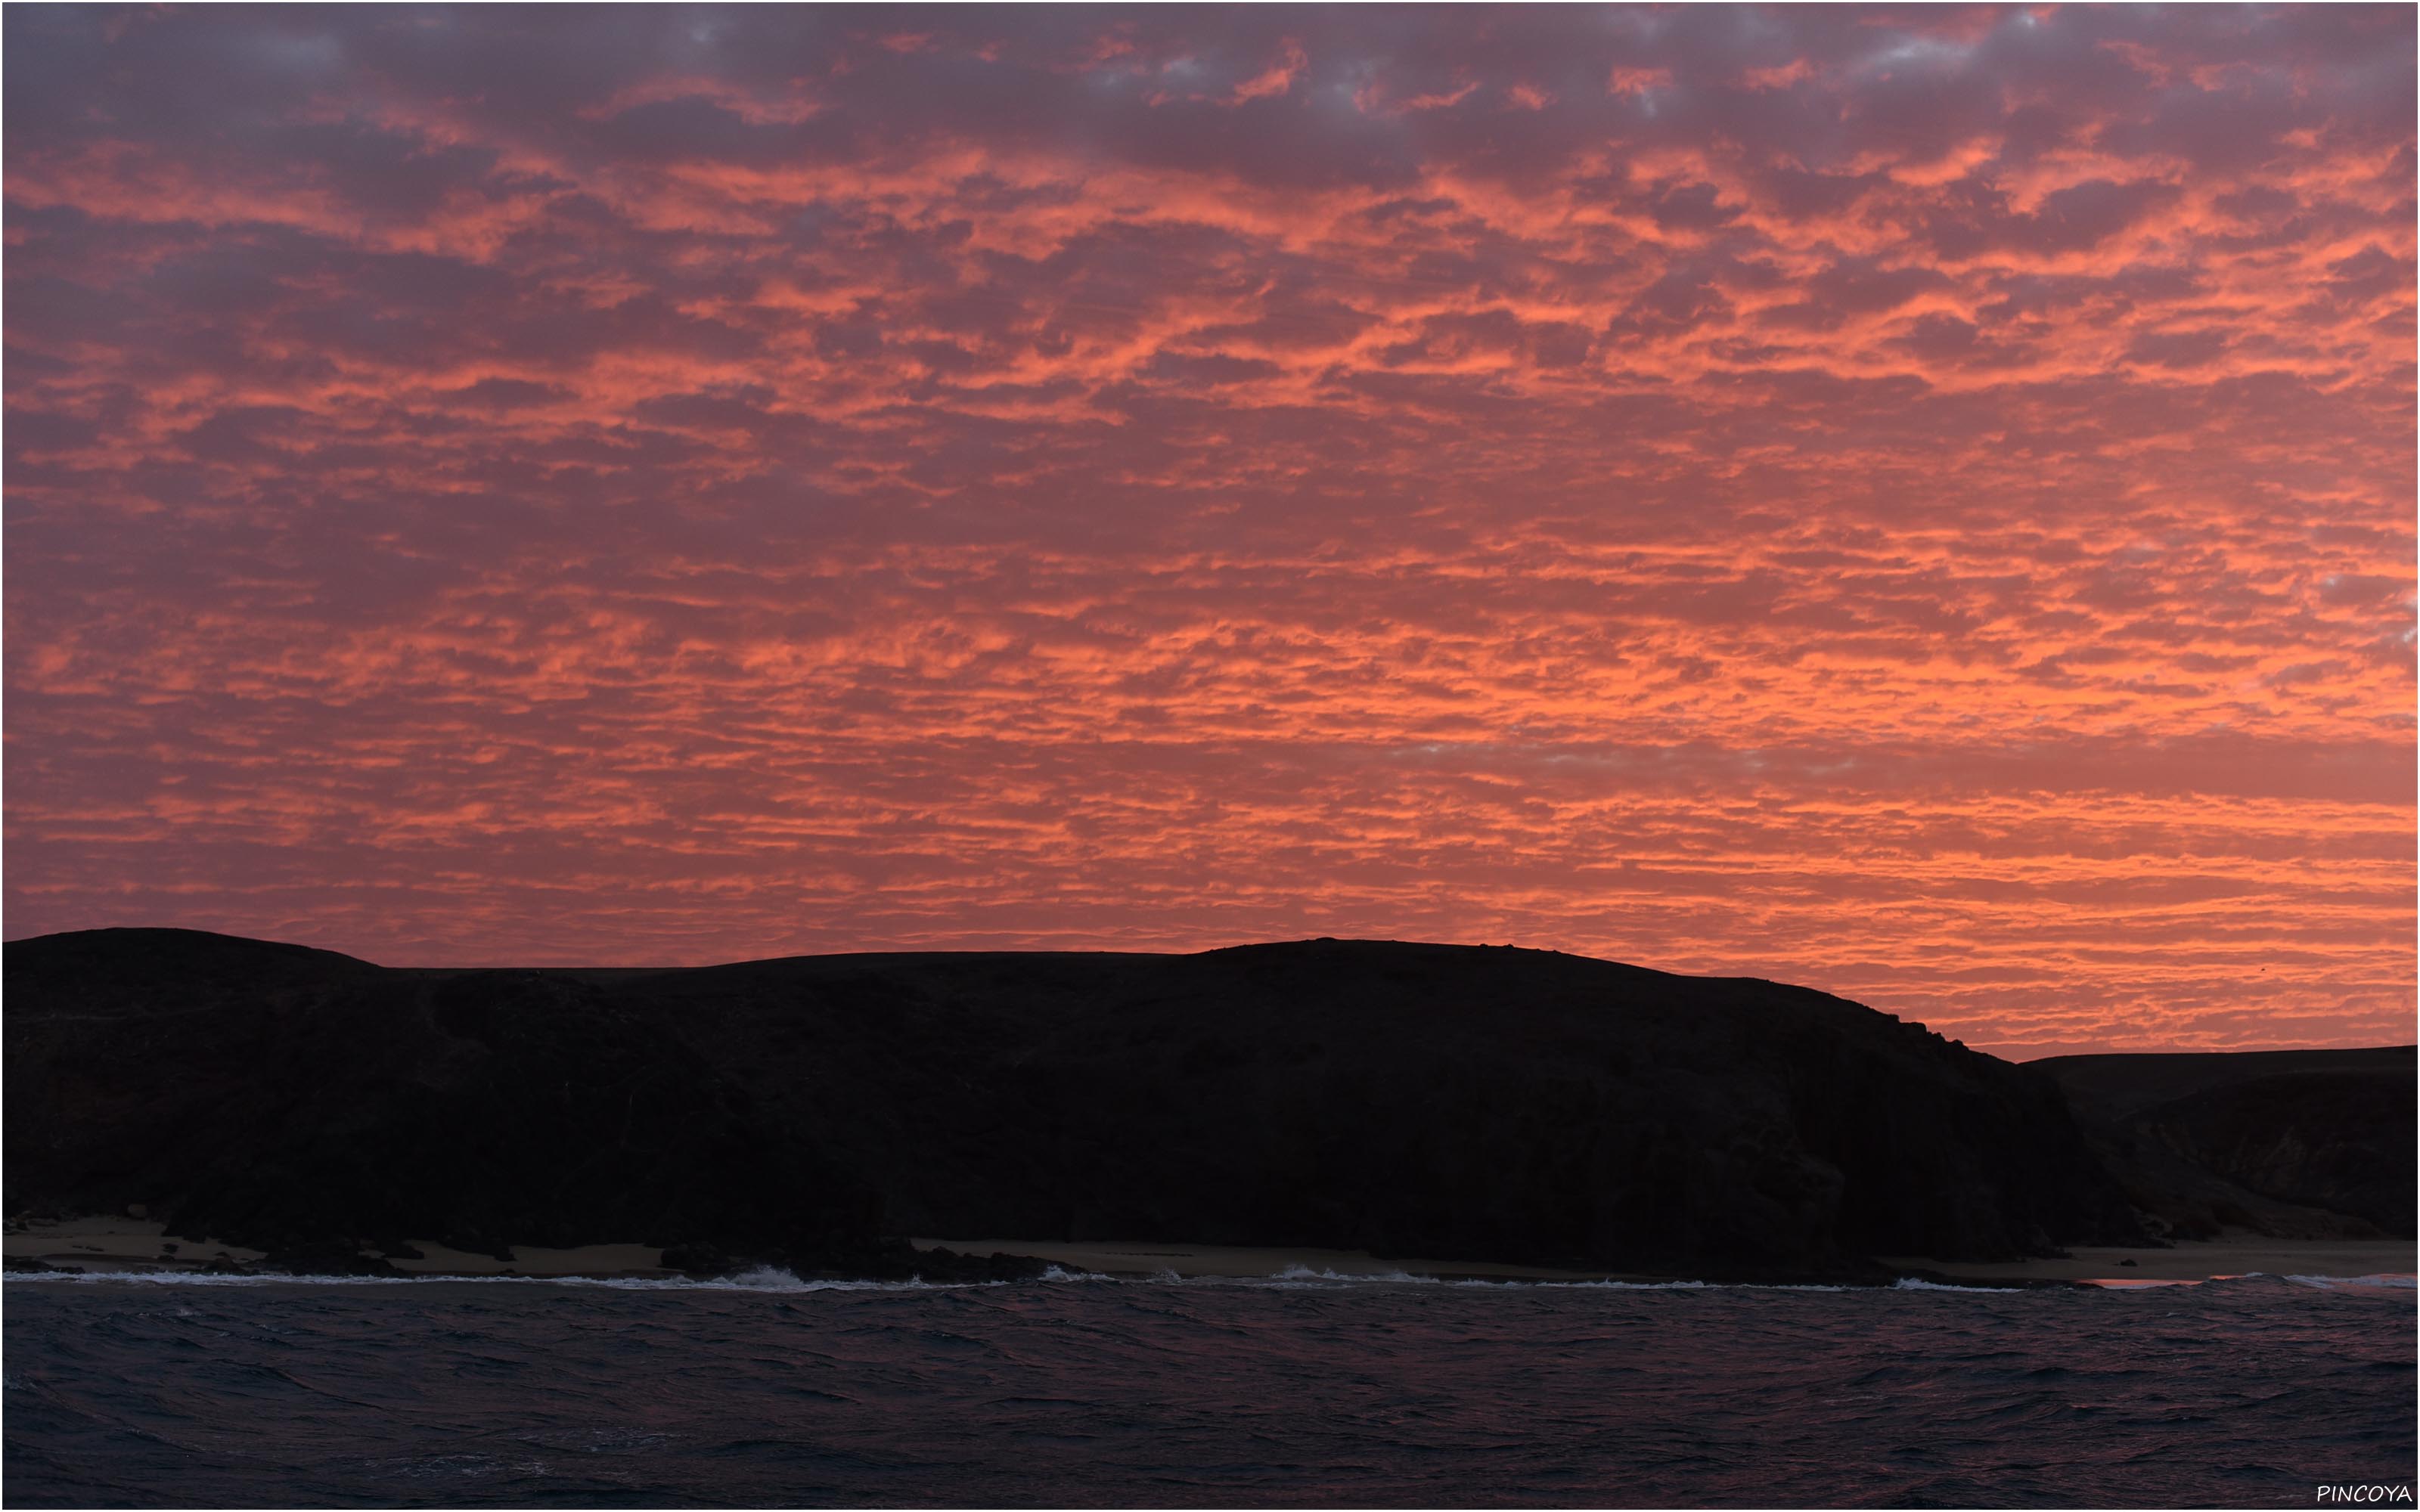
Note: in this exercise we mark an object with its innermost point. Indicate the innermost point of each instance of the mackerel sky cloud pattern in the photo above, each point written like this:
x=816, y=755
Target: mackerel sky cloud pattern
x=1916, y=503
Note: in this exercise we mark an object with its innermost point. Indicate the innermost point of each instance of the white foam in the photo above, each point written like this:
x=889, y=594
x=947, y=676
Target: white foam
x=2390, y=1280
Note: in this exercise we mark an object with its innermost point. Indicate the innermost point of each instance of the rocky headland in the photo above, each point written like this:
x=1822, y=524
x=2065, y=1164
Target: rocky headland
x=2290, y=1144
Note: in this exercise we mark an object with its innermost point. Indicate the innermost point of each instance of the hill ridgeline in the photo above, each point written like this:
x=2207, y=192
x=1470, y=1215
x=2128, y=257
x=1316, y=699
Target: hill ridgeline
x=1446, y=1101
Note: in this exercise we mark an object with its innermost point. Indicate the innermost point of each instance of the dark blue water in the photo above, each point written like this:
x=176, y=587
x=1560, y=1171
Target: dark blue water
x=127, y=1393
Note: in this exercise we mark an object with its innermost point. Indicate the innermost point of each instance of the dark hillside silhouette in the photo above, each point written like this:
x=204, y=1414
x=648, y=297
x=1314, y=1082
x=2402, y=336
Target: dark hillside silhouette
x=1446, y=1101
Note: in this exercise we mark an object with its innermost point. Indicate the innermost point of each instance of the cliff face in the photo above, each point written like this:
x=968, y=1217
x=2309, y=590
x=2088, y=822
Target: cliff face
x=285, y=1097
x=2294, y=1143
x=1401, y=1098
x=1459, y=1102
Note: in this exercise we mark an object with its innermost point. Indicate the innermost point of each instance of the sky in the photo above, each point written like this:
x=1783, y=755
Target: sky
x=1918, y=503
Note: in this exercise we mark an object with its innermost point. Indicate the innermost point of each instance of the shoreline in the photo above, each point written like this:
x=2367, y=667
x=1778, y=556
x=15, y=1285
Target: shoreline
x=2189, y=1260
x=1146, y=1259
x=104, y=1244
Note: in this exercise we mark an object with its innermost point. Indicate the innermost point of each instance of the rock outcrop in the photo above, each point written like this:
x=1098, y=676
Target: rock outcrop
x=1456, y=1102
x=2298, y=1144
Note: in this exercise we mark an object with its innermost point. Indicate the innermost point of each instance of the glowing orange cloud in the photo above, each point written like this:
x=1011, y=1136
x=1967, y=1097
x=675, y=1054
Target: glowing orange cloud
x=1919, y=503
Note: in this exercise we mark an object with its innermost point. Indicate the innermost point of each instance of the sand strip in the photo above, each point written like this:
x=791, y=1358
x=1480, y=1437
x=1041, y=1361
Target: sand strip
x=104, y=1243
x=112, y=1244
x=1146, y=1257
x=116, y=1243
x=2192, y=1260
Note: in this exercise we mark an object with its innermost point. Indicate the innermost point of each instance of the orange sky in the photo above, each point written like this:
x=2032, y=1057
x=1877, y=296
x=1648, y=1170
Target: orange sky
x=1916, y=503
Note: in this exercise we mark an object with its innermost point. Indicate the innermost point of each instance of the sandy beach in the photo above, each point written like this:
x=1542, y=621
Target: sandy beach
x=2192, y=1260
x=117, y=1243
x=114, y=1243
x=2202, y=1261
x=1142, y=1257
x=105, y=1243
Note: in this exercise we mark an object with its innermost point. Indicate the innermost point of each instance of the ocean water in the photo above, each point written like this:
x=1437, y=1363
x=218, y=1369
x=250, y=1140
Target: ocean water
x=1302, y=1390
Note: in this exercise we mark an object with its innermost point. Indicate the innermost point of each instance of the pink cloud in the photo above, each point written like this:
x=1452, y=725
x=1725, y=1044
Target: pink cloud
x=1919, y=503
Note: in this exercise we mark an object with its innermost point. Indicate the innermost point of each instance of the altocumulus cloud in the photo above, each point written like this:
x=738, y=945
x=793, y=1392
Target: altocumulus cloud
x=1917, y=502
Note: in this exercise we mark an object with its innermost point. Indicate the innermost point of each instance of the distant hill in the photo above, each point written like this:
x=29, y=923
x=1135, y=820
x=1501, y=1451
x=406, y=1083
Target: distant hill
x=2296, y=1143
x=1459, y=1102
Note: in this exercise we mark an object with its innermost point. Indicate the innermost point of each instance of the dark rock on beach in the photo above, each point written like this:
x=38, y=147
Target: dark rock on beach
x=29, y=1264
x=703, y=1260
x=939, y=1264
x=1410, y=1100
x=332, y=1257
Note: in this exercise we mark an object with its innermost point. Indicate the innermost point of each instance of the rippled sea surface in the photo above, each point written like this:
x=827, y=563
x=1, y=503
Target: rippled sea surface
x=132, y=1392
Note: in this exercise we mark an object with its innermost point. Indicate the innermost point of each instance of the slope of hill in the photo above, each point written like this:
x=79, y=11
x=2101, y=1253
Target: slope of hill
x=2314, y=1144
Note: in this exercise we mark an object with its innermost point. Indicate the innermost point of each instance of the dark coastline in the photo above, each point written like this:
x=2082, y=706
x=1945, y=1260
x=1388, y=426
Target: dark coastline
x=1491, y=1104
